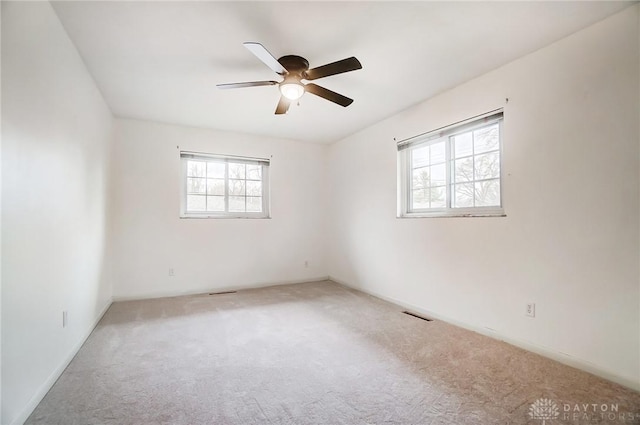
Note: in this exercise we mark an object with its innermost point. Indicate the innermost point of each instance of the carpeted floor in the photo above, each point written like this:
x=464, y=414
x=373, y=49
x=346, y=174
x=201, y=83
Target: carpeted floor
x=313, y=353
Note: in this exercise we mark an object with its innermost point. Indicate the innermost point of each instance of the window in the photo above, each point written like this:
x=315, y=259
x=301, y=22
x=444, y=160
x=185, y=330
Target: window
x=453, y=171
x=224, y=186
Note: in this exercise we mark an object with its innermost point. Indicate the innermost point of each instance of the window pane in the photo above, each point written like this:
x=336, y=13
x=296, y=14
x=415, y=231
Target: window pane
x=420, y=199
x=254, y=204
x=254, y=188
x=438, y=175
x=488, y=193
x=462, y=145
x=456, y=171
x=215, y=187
x=421, y=178
x=215, y=203
x=438, y=197
x=420, y=157
x=463, y=171
x=254, y=172
x=195, y=168
x=196, y=202
x=487, y=166
x=236, y=187
x=437, y=153
x=236, y=203
x=195, y=185
x=486, y=139
x=462, y=195
x=236, y=171
x=215, y=170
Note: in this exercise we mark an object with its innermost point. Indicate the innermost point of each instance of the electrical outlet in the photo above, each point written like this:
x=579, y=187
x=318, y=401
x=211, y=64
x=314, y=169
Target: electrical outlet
x=171, y=272
x=531, y=310
x=64, y=318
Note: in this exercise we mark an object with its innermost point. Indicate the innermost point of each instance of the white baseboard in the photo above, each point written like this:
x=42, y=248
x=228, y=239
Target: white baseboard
x=166, y=294
x=558, y=356
x=48, y=383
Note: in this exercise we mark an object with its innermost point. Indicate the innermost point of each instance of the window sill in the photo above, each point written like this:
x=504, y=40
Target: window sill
x=241, y=217
x=440, y=214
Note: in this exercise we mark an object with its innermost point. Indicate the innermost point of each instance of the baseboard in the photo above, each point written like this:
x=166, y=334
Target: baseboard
x=558, y=356
x=51, y=380
x=255, y=285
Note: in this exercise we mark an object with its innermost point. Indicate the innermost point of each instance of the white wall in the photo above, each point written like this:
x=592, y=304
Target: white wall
x=570, y=240
x=55, y=140
x=210, y=254
x=0, y=218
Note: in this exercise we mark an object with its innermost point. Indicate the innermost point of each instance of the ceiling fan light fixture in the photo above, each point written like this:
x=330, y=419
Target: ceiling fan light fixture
x=292, y=90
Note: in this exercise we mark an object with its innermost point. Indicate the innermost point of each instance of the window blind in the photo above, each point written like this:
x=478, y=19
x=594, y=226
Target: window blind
x=225, y=158
x=481, y=119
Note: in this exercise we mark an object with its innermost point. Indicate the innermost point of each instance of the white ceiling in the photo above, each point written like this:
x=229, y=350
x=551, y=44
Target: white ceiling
x=161, y=61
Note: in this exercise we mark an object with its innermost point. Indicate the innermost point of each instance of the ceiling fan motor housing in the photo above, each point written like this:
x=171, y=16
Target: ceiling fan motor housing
x=295, y=65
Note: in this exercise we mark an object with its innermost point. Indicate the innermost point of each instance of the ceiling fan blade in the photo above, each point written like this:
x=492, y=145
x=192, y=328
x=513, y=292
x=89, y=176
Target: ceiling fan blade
x=345, y=65
x=328, y=94
x=283, y=105
x=267, y=58
x=247, y=84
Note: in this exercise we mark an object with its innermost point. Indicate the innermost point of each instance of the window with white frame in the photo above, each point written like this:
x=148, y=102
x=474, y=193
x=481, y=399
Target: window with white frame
x=453, y=171
x=218, y=186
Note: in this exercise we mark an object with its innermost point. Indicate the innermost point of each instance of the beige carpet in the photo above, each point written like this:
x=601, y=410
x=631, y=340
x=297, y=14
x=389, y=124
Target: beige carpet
x=314, y=353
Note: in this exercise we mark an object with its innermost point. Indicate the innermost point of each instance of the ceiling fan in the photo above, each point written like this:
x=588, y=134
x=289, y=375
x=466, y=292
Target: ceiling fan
x=294, y=69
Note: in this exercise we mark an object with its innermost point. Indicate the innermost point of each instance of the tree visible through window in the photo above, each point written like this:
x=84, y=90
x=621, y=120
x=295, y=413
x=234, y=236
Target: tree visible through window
x=453, y=171
x=429, y=176
x=476, y=168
